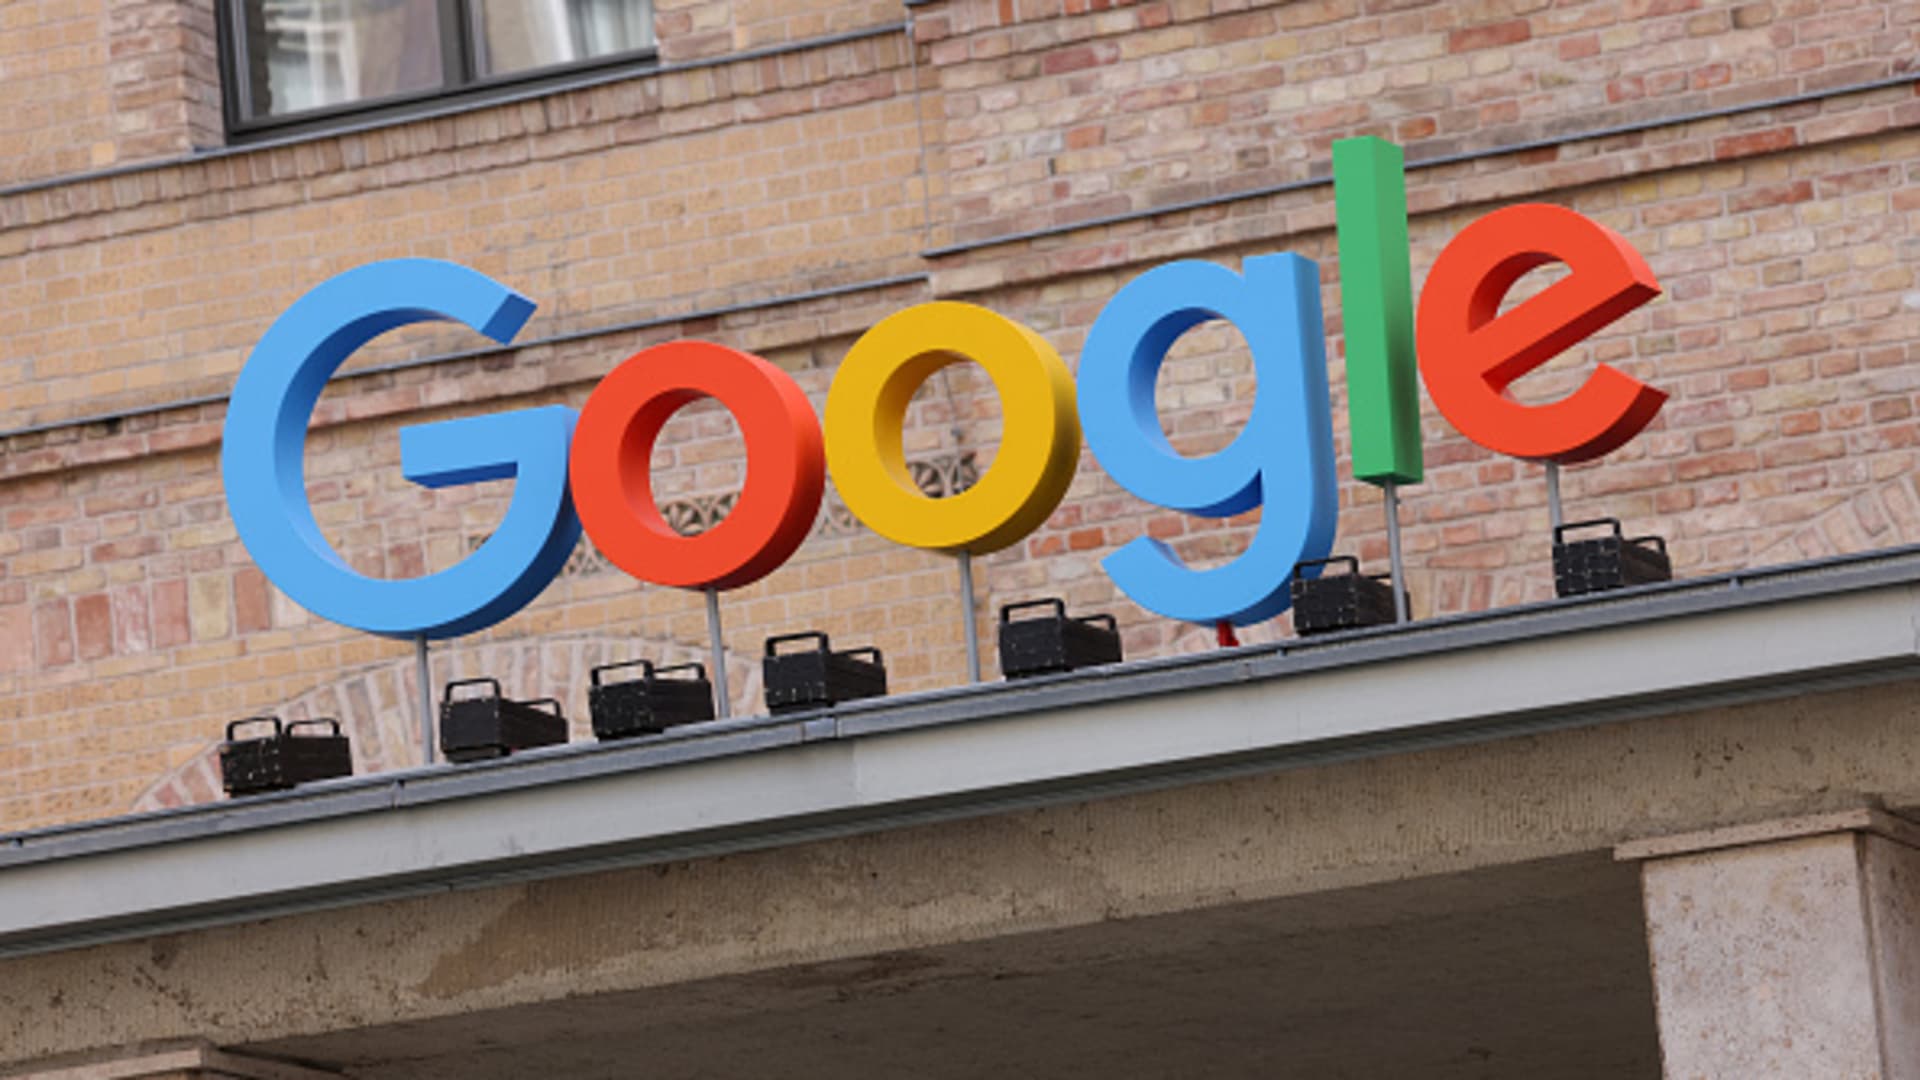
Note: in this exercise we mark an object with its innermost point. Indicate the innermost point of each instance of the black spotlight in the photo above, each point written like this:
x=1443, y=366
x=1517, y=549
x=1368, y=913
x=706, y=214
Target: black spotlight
x=490, y=726
x=1600, y=563
x=1345, y=601
x=819, y=677
x=286, y=758
x=650, y=702
x=1054, y=642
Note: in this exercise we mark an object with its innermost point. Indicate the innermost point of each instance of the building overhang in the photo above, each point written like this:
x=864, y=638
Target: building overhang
x=967, y=751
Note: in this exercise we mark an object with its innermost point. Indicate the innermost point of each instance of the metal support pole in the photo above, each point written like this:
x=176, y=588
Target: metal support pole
x=1555, y=516
x=966, y=607
x=722, y=698
x=423, y=675
x=1397, y=563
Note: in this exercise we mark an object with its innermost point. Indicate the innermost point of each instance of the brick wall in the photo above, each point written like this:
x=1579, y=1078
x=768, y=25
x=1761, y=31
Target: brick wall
x=92, y=84
x=622, y=202
x=1052, y=120
x=132, y=624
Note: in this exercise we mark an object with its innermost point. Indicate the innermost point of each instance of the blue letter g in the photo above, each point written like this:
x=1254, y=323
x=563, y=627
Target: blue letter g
x=264, y=444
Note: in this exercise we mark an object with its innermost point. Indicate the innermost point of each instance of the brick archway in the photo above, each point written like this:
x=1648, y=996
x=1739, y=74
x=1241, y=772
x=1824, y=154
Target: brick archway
x=375, y=704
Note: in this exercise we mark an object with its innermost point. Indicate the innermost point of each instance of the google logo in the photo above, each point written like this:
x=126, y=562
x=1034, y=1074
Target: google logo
x=592, y=470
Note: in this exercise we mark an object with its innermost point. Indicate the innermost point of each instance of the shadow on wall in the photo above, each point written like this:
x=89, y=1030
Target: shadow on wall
x=375, y=704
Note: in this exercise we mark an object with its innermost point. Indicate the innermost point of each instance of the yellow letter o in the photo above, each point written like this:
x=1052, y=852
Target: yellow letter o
x=867, y=407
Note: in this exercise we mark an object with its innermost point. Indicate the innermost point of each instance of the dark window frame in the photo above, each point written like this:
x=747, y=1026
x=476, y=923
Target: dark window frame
x=461, y=84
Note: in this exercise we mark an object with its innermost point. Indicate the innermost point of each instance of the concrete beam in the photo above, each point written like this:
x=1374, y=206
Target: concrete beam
x=677, y=926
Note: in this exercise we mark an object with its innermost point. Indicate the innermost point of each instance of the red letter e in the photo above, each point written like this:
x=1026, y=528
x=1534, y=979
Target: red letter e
x=1470, y=354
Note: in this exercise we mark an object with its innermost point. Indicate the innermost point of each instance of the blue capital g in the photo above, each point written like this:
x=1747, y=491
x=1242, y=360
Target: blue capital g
x=263, y=446
x=1282, y=461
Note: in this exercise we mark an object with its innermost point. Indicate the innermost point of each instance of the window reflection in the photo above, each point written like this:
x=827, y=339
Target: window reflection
x=309, y=54
x=296, y=56
x=517, y=35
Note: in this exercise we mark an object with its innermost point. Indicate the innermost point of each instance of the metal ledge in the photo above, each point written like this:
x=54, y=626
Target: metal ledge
x=965, y=751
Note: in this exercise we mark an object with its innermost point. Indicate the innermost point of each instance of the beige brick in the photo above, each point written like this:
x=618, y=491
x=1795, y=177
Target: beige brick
x=209, y=606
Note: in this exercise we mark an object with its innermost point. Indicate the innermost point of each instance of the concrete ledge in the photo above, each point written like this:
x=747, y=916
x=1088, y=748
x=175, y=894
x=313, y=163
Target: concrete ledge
x=1864, y=820
x=190, y=1060
x=968, y=752
x=692, y=931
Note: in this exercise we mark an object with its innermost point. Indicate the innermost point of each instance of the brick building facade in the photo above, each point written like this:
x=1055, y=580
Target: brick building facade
x=786, y=174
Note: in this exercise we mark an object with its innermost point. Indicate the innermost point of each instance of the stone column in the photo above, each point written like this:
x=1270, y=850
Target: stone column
x=171, y=1061
x=1787, y=949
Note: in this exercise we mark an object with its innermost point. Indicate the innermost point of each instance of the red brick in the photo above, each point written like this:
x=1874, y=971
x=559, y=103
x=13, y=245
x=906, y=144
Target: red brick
x=52, y=633
x=1631, y=88
x=171, y=624
x=131, y=548
x=1848, y=183
x=1584, y=47
x=1075, y=58
x=93, y=626
x=1890, y=410
x=1254, y=24
x=1491, y=35
x=1085, y=136
x=1757, y=142
x=1759, y=198
x=1800, y=423
x=253, y=605
x=1420, y=127
x=16, y=639
x=1711, y=75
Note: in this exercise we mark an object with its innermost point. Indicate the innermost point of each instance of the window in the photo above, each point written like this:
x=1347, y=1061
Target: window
x=294, y=61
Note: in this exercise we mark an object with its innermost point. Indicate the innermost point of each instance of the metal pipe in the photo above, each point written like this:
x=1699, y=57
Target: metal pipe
x=1396, y=563
x=1555, y=515
x=966, y=606
x=717, y=651
x=423, y=675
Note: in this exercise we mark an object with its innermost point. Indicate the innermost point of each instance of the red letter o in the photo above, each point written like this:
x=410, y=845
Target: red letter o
x=611, y=467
